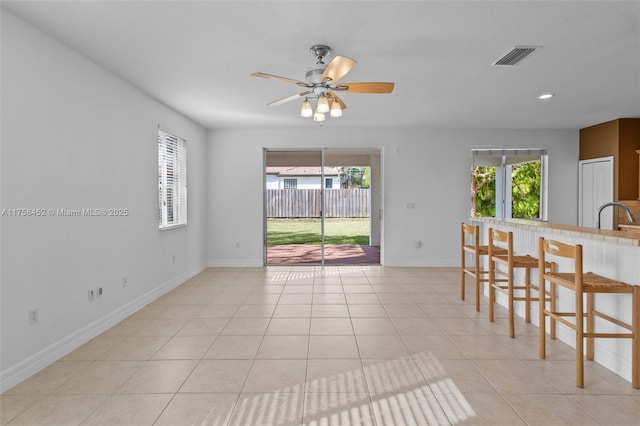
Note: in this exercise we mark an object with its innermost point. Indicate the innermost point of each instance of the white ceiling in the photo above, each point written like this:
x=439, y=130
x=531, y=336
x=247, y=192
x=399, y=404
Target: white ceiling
x=196, y=57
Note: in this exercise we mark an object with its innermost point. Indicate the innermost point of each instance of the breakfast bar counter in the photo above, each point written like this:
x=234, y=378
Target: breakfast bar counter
x=613, y=254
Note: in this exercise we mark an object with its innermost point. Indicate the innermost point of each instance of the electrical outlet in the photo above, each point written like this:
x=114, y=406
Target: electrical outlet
x=92, y=295
x=100, y=292
x=34, y=316
x=125, y=282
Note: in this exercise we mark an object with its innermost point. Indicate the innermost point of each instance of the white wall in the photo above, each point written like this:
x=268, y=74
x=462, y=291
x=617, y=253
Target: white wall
x=429, y=168
x=75, y=136
x=335, y=182
x=304, y=182
x=272, y=182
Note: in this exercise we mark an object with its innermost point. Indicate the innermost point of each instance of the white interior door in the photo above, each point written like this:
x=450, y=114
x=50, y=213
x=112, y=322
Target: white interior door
x=595, y=180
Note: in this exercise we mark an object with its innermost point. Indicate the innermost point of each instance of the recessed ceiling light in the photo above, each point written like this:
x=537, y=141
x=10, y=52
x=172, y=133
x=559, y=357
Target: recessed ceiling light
x=546, y=96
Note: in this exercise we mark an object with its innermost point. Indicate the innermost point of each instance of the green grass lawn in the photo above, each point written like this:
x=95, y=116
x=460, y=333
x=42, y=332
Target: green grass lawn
x=307, y=231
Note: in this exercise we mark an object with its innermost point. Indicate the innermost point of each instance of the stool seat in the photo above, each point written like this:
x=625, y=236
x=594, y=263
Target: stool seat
x=519, y=261
x=590, y=281
x=483, y=250
x=473, y=249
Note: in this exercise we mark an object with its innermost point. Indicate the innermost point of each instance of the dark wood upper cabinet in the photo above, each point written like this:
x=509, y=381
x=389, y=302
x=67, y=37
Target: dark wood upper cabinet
x=620, y=139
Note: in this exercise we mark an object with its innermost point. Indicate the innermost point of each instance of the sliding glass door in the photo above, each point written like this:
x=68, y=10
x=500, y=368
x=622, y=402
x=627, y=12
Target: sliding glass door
x=293, y=207
x=318, y=206
x=348, y=207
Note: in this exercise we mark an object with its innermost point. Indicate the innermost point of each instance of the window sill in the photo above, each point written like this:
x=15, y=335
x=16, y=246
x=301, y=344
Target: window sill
x=167, y=228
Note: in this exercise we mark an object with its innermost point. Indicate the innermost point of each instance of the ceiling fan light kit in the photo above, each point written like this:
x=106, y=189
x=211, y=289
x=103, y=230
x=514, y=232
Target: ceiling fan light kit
x=321, y=83
x=322, y=105
x=336, y=111
x=307, y=109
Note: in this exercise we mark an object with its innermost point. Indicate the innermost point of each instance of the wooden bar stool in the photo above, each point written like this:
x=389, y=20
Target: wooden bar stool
x=509, y=261
x=588, y=284
x=470, y=243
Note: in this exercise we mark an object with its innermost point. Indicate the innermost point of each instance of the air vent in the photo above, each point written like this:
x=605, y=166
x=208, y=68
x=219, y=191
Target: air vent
x=516, y=55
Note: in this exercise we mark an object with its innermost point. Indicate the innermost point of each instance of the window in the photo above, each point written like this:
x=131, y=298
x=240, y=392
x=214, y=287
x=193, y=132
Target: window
x=509, y=183
x=328, y=183
x=172, y=180
x=291, y=184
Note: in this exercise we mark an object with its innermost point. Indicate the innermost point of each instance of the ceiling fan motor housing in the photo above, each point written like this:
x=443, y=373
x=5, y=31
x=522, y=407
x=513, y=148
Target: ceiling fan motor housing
x=314, y=73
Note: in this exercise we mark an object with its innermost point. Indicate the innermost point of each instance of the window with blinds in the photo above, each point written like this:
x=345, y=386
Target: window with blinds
x=172, y=180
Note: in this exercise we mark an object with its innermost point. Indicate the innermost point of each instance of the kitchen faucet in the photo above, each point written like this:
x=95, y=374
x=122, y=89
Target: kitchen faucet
x=614, y=204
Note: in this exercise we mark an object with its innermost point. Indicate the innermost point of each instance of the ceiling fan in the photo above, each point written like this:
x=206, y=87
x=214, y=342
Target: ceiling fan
x=321, y=83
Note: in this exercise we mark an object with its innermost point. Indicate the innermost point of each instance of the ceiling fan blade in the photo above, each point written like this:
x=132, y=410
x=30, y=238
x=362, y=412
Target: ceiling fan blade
x=335, y=97
x=285, y=79
x=288, y=99
x=370, y=87
x=337, y=68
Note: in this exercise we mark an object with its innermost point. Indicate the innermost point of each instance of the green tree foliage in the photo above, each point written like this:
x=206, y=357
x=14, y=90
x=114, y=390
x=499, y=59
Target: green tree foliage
x=525, y=190
x=354, y=177
x=483, y=189
x=366, y=177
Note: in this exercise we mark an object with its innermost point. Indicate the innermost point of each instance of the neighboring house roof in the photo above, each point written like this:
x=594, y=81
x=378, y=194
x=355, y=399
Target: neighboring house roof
x=302, y=171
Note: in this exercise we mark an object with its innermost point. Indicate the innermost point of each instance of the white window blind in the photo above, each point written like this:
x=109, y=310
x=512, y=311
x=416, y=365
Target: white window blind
x=172, y=180
x=501, y=157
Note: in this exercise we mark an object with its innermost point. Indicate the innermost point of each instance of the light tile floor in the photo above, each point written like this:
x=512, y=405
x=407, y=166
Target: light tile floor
x=343, y=345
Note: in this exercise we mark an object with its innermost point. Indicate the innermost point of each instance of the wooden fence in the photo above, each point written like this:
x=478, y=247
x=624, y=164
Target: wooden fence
x=290, y=203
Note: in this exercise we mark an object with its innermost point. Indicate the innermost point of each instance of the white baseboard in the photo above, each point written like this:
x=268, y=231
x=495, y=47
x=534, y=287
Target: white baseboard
x=424, y=263
x=243, y=263
x=409, y=263
x=45, y=357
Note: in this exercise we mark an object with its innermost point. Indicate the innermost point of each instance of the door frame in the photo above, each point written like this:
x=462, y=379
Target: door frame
x=376, y=198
